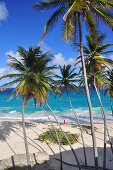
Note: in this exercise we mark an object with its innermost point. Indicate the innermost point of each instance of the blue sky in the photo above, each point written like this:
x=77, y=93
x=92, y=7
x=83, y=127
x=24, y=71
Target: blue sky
x=20, y=25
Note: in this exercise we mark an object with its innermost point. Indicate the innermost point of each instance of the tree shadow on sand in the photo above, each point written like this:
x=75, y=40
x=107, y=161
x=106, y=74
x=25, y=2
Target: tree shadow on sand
x=69, y=162
x=6, y=127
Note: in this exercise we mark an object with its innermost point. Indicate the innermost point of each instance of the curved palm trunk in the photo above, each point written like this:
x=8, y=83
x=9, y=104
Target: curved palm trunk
x=61, y=166
x=80, y=129
x=111, y=105
x=25, y=138
x=65, y=136
x=105, y=126
x=88, y=96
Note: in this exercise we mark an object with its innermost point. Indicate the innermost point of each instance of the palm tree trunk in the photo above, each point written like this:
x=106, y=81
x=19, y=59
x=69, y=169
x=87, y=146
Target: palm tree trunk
x=111, y=105
x=105, y=126
x=79, y=127
x=88, y=96
x=61, y=166
x=110, y=142
x=25, y=137
x=65, y=136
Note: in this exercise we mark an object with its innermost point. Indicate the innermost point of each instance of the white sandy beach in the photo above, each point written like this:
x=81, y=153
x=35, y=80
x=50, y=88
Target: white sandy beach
x=12, y=143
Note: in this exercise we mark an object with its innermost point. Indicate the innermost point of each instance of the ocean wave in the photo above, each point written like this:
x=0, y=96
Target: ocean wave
x=67, y=115
x=13, y=111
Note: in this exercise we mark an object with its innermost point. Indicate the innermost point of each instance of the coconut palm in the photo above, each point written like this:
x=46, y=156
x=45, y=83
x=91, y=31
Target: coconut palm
x=29, y=80
x=75, y=12
x=34, y=80
x=67, y=82
x=95, y=65
x=47, y=87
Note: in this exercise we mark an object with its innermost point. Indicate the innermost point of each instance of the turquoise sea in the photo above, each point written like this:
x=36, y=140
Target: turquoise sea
x=12, y=109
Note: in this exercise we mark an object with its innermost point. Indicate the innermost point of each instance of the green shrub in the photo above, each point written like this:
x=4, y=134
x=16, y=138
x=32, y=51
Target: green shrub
x=50, y=135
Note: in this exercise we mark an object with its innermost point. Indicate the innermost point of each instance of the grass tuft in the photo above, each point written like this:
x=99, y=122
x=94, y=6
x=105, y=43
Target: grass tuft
x=50, y=136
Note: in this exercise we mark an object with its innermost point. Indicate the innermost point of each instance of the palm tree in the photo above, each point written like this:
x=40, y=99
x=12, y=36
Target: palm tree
x=47, y=88
x=95, y=65
x=77, y=11
x=34, y=80
x=67, y=81
x=29, y=80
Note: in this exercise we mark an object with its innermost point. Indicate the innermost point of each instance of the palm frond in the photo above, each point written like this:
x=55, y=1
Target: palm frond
x=52, y=21
x=46, y=5
x=11, y=76
x=91, y=24
x=11, y=83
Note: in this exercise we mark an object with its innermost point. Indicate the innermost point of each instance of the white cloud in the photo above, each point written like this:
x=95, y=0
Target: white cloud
x=60, y=60
x=44, y=47
x=16, y=55
x=3, y=12
x=7, y=70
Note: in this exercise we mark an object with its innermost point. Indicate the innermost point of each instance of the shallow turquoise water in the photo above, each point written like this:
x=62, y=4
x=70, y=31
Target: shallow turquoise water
x=61, y=107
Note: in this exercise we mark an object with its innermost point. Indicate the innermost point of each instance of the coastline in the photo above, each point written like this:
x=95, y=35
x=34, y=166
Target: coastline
x=11, y=141
x=68, y=119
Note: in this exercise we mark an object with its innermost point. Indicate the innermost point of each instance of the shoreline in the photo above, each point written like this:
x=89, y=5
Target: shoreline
x=100, y=121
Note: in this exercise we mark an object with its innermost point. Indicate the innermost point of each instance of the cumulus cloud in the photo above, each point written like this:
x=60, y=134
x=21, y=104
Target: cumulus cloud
x=11, y=53
x=60, y=60
x=44, y=47
x=57, y=60
x=3, y=12
x=7, y=70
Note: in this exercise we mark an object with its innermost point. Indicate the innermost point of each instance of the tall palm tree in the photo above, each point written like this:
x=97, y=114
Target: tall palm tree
x=46, y=86
x=34, y=80
x=67, y=82
x=75, y=12
x=47, y=89
x=95, y=65
x=29, y=80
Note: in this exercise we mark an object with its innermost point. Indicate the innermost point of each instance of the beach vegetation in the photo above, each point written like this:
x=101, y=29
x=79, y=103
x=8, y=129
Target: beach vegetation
x=50, y=136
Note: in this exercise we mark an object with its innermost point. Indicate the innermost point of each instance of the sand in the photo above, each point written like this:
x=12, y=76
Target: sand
x=12, y=143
